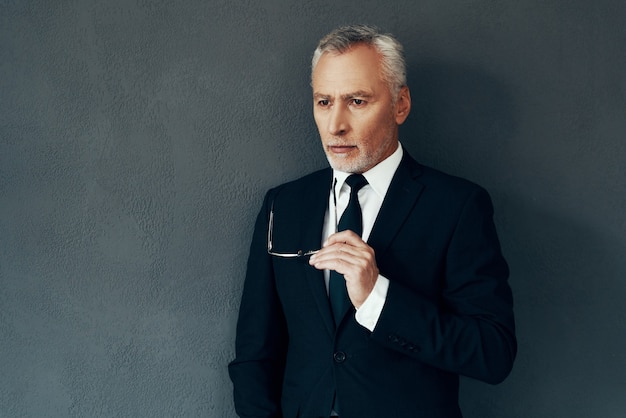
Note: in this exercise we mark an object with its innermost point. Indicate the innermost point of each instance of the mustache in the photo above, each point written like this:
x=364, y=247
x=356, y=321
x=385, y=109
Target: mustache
x=338, y=142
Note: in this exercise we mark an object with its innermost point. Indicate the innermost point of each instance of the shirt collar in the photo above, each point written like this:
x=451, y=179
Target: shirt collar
x=379, y=177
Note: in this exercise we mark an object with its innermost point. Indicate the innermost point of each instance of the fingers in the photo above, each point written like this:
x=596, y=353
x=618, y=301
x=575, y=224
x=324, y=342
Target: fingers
x=342, y=258
x=347, y=254
x=342, y=252
x=347, y=237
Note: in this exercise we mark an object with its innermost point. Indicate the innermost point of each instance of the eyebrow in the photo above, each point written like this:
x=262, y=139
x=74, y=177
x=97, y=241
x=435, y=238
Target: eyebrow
x=347, y=96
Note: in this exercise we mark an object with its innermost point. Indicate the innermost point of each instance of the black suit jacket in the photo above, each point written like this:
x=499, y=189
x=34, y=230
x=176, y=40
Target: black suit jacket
x=448, y=310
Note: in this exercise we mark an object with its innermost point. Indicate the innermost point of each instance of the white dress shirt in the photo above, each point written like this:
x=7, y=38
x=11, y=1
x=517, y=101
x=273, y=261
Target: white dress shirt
x=371, y=198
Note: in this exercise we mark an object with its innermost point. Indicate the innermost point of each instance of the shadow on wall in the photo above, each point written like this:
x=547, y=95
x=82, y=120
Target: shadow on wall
x=566, y=273
x=460, y=117
x=571, y=315
x=568, y=280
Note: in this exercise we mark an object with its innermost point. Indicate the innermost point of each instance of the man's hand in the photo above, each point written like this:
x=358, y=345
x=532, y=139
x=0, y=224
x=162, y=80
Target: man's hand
x=347, y=254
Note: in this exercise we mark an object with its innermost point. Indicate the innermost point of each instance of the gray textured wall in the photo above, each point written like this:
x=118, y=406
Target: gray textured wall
x=138, y=137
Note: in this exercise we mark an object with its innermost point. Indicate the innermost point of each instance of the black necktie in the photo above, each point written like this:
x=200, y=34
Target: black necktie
x=352, y=219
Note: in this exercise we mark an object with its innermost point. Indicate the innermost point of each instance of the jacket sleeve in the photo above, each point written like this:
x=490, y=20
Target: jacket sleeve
x=261, y=340
x=469, y=329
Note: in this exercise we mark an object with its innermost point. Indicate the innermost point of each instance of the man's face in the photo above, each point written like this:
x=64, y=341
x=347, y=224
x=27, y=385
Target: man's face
x=354, y=109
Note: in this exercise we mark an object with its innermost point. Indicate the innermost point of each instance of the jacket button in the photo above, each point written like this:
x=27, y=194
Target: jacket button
x=339, y=357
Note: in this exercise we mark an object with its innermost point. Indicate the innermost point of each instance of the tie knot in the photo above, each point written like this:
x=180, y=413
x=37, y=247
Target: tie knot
x=356, y=182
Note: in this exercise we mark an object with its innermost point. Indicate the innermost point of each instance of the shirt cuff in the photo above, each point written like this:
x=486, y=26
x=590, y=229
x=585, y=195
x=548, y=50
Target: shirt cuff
x=369, y=312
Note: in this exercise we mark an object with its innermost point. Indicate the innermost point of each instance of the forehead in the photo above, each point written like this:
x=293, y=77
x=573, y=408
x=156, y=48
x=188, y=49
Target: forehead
x=359, y=67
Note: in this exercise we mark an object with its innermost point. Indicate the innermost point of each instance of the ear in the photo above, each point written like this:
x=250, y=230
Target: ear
x=403, y=105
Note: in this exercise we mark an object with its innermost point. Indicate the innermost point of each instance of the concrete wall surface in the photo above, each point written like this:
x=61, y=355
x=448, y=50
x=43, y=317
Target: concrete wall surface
x=137, y=138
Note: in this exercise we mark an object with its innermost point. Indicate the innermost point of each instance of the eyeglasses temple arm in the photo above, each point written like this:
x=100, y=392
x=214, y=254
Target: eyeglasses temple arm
x=270, y=228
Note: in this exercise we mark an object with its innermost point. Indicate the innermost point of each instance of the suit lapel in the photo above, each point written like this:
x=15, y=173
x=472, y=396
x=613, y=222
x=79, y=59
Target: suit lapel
x=401, y=197
x=403, y=193
x=314, y=205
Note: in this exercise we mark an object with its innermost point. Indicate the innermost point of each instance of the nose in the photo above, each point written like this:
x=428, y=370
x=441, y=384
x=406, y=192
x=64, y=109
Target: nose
x=338, y=121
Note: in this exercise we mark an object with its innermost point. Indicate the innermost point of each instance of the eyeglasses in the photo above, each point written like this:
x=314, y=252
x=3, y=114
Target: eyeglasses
x=270, y=228
x=300, y=253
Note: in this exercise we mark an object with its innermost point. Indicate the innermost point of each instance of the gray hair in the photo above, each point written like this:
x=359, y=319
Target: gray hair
x=342, y=39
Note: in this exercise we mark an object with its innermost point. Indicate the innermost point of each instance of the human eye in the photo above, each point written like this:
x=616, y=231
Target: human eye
x=323, y=102
x=358, y=102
